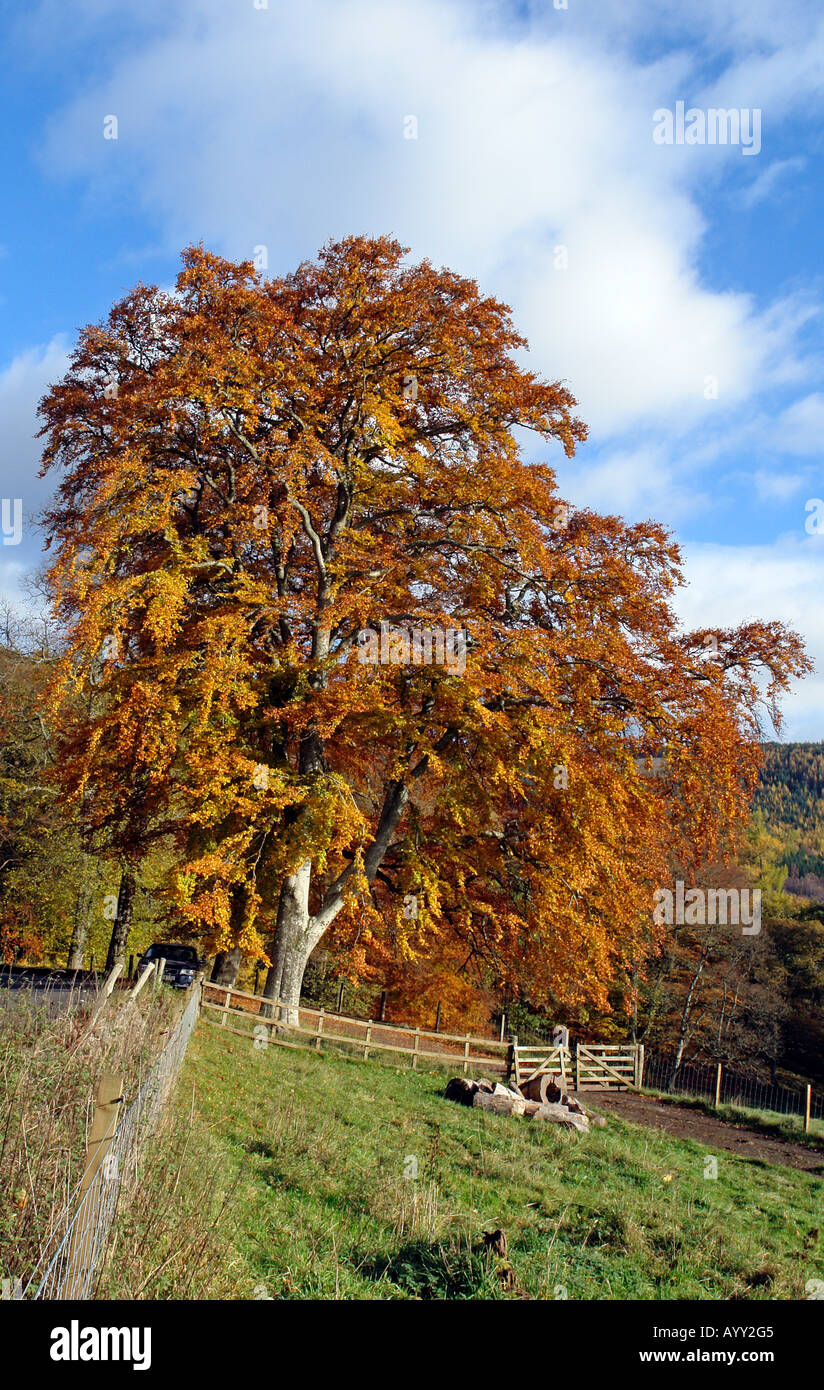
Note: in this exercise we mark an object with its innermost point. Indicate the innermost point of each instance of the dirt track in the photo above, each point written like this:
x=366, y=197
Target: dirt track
x=686, y=1123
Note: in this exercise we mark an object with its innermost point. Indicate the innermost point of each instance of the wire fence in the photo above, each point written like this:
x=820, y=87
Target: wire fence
x=661, y=1073
x=72, y=1254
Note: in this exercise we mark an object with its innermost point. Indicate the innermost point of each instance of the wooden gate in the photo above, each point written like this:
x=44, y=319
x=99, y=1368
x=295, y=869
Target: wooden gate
x=594, y=1066
x=536, y=1061
x=609, y=1066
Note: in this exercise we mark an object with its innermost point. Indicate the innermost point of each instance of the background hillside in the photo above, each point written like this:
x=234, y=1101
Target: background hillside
x=790, y=798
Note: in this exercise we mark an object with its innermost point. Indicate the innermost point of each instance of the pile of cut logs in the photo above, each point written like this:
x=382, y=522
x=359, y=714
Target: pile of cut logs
x=541, y=1098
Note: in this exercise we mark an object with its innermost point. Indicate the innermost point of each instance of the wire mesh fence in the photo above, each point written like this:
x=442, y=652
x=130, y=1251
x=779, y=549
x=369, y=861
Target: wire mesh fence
x=662, y=1072
x=72, y=1254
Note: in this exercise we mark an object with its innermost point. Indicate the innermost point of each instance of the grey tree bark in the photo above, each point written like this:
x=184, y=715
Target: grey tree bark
x=297, y=932
x=119, y=940
x=82, y=913
x=227, y=967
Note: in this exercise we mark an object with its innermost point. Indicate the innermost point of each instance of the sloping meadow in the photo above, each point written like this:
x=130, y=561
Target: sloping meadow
x=48, y=1077
x=303, y=1175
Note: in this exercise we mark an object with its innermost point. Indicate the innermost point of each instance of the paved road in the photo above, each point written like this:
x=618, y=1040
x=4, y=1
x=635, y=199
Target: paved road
x=59, y=991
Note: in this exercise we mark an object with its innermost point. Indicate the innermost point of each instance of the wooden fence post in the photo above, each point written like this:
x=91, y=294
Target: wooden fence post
x=503, y=1027
x=466, y=1055
x=718, y=1085
x=318, y=1031
x=133, y=993
x=160, y=972
x=415, y=1048
x=640, y=1065
x=225, y=1013
x=368, y=1040
x=577, y=1066
x=807, y=1109
x=108, y=1096
x=102, y=996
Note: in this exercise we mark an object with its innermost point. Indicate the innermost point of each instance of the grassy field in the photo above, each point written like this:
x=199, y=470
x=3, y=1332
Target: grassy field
x=768, y=1122
x=48, y=1075
x=286, y=1174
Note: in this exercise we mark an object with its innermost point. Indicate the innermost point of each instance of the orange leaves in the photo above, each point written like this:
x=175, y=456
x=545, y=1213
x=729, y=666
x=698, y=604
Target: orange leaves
x=253, y=473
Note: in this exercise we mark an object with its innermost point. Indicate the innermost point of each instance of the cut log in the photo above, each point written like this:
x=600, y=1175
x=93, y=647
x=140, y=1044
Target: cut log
x=461, y=1090
x=559, y=1115
x=499, y=1105
x=545, y=1088
x=499, y=1090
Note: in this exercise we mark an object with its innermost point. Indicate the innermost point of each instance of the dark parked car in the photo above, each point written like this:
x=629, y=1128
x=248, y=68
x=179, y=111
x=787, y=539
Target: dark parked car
x=182, y=962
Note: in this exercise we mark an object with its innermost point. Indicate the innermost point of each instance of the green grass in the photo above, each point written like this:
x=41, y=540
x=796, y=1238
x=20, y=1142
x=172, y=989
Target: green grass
x=770, y=1122
x=286, y=1175
x=48, y=1077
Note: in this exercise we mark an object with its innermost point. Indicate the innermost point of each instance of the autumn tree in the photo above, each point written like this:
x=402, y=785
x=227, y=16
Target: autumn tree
x=27, y=798
x=355, y=654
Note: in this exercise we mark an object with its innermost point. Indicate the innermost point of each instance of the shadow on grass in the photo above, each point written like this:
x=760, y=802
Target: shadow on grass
x=439, y=1271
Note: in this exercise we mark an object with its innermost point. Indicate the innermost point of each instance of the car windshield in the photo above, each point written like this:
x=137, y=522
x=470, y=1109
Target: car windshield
x=181, y=955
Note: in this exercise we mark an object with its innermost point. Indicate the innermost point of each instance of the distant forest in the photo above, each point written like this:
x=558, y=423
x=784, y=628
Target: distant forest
x=791, y=800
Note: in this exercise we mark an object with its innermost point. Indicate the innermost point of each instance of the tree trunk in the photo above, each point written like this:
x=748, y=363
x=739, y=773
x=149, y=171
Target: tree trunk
x=292, y=945
x=82, y=914
x=687, y=1012
x=227, y=967
x=119, y=939
x=296, y=932
x=227, y=963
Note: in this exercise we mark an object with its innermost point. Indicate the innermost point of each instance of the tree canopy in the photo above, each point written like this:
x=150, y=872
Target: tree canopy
x=283, y=505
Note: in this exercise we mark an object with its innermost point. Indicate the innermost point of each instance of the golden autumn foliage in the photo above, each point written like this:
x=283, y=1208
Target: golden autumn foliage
x=256, y=473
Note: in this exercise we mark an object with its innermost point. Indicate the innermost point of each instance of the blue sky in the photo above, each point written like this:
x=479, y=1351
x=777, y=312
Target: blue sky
x=280, y=126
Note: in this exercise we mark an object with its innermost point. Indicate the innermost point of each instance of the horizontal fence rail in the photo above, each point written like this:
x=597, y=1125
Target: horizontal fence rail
x=71, y=1256
x=584, y=1066
x=589, y=1067
x=529, y=1062
x=319, y=1026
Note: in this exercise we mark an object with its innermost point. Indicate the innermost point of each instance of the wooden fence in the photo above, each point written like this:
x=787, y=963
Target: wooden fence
x=484, y=1056
x=592, y=1067
x=609, y=1066
x=527, y=1062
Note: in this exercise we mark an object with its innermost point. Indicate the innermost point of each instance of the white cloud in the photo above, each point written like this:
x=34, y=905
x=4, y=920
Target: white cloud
x=765, y=183
x=22, y=383
x=782, y=581
x=285, y=126
x=637, y=483
x=777, y=486
x=800, y=428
